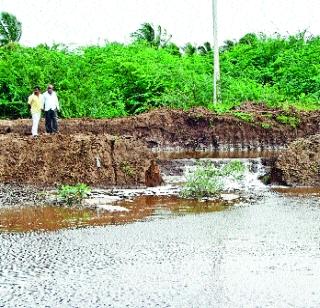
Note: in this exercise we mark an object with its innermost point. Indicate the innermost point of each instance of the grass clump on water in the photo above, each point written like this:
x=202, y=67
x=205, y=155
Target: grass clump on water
x=207, y=180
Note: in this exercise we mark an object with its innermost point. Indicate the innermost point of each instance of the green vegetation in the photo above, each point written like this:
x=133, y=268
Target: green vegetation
x=154, y=37
x=265, y=125
x=10, y=29
x=119, y=80
x=127, y=169
x=73, y=194
x=245, y=117
x=207, y=180
x=288, y=120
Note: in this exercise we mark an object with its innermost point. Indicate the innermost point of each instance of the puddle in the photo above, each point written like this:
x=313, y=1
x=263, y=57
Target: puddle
x=178, y=206
x=51, y=218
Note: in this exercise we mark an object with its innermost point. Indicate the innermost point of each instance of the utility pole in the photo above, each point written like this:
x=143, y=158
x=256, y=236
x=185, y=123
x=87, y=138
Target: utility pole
x=216, y=65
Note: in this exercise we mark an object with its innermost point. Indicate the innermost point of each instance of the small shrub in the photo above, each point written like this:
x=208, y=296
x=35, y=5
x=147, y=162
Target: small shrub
x=207, y=180
x=234, y=168
x=203, y=182
x=73, y=194
x=127, y=169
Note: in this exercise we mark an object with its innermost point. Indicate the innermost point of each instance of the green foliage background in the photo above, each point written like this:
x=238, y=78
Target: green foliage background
x=119, y=80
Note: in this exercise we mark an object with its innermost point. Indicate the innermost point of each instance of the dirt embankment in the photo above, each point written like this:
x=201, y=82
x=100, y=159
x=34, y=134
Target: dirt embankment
x=101, y=161
x=194, y=129
x=299, y=164
x=116, y=152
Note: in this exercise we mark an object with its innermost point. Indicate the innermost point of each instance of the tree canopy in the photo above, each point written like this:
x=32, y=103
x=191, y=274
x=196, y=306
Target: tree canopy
x=154, y=36
x=124, y=79
x=10, y=28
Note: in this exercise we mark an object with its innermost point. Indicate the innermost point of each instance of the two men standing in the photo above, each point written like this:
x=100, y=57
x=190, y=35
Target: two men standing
x=50, y=104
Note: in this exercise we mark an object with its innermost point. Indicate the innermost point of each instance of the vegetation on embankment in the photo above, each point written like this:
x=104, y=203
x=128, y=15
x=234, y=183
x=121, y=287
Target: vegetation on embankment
x=117, y=80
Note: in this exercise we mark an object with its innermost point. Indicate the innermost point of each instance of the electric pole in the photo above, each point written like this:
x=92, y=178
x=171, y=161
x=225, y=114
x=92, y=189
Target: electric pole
x=216, y=65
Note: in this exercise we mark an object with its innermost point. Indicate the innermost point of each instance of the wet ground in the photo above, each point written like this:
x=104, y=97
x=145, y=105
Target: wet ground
x=162, y=251
x=253, y=254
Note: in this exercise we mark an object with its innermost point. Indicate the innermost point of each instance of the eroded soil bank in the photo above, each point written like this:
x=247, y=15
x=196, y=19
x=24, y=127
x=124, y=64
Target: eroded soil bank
x=194, y=129
x=117, y=152
x=100, y=161
x=299, y=164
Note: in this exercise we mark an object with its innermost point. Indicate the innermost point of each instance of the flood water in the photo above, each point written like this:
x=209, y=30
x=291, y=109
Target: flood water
x=259, y=253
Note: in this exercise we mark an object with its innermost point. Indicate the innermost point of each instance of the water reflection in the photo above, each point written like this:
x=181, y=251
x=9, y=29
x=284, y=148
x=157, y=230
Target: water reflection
x=182, y=206
x=54, y=218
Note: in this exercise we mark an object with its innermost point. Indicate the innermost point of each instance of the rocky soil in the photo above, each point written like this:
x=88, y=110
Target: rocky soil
x=15, y=195
x=299, y=164
x=100, y=161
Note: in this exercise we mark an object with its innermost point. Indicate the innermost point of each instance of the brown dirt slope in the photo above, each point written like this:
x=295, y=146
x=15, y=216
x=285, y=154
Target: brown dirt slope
x=194, y=129
x=299, y=165
x=101, y=161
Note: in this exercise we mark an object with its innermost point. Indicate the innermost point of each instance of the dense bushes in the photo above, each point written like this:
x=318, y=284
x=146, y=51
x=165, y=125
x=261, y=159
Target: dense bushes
x=117, y=80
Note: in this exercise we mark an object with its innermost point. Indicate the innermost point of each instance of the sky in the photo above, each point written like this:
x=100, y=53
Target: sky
x=84, y=22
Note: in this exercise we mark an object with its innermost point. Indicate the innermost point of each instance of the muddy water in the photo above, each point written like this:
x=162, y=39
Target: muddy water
x=49, y=218
x=263, y=253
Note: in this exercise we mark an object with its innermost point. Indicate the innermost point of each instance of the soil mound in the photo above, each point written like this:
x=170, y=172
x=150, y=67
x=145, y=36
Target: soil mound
x=101, y=161
x=250, y=127
x=299, y=165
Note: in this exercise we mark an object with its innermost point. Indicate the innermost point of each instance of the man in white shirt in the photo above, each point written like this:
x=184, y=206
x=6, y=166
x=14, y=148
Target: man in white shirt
x=51, y=106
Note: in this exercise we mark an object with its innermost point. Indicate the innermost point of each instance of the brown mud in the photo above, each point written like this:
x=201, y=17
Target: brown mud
x=117, y=152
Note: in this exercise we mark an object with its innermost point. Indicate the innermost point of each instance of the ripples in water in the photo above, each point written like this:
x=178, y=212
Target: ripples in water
x=264, y=254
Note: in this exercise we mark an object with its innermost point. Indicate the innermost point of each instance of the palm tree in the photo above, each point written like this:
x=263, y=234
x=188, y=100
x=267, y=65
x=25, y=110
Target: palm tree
x=10, y=28
x=205, y=48
x=189, y=49
x=155, y=37
x=249, y=39
x=227, y=45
